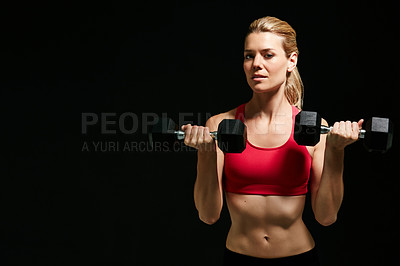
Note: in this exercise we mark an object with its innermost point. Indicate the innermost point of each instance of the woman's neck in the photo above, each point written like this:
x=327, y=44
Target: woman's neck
x=268, y=105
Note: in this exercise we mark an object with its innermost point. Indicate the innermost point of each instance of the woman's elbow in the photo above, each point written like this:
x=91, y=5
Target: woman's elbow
x=210, y=220
x=326, y=221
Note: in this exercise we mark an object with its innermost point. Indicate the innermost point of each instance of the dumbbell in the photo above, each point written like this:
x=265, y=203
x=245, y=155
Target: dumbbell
x=231, y=135
x=377, y=135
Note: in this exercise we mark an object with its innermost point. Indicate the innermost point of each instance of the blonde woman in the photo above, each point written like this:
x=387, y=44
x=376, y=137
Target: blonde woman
x=265, y=186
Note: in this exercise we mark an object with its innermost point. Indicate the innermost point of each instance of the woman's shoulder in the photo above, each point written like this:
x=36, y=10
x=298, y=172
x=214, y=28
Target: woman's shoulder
x=214, y=120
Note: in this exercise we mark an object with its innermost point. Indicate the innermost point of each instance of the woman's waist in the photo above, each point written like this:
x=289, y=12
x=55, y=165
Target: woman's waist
x=269, y=240
x=271, y=228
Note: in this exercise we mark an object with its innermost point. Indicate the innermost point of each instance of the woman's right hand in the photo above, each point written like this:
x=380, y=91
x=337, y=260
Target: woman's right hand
x=198, y=137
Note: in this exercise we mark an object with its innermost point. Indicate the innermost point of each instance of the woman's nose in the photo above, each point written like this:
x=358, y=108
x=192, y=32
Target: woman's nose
x=257, y=62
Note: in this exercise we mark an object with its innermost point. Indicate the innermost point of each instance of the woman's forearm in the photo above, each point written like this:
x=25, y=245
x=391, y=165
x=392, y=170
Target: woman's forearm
x=207, y=189
x=331, y=189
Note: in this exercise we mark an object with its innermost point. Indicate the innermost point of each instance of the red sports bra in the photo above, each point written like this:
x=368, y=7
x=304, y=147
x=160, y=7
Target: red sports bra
x=283, y=170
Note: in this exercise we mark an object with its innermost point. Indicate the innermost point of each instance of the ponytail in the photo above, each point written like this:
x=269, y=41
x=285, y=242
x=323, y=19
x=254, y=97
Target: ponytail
x=294, y=90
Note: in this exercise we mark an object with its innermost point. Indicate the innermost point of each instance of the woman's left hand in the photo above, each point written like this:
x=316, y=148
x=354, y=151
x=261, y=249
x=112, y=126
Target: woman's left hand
x=343, y=134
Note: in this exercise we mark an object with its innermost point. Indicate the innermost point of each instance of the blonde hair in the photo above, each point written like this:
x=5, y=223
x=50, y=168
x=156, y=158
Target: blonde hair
x=294, y=89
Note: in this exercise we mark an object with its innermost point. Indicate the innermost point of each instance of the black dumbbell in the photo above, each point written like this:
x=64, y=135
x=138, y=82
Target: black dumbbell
x=377, y=135
x=231, y=135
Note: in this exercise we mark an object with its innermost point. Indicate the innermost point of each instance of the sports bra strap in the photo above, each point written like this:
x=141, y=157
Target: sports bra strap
x=240, y=112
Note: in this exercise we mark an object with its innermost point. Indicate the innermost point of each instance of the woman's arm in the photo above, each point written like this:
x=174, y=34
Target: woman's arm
x=327, y=187
x=208, y=193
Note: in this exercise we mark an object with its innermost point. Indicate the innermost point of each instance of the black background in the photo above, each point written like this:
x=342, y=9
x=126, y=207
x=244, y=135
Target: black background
x=64, y=205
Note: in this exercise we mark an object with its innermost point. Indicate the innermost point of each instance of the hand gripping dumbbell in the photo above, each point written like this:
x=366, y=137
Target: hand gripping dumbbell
x=231, y=135
x=377, y=135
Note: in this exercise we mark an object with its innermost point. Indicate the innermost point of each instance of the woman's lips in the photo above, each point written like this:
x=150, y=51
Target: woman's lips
x=258, y=77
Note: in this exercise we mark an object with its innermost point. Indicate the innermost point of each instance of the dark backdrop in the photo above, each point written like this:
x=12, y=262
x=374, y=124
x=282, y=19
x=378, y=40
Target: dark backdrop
x=65, y=204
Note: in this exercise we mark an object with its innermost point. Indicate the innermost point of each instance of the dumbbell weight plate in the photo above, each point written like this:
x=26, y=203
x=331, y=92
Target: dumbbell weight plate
x=307, y=128
x=379, y=134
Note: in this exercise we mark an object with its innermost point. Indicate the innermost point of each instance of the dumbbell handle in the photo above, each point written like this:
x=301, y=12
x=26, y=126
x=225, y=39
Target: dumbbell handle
x=325, y=130
x=180, y=135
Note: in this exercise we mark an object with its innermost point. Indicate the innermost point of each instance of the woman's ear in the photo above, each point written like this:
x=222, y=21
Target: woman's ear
x=292, y=62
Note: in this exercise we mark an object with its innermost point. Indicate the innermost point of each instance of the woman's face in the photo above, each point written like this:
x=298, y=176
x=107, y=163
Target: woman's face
x=265, y=62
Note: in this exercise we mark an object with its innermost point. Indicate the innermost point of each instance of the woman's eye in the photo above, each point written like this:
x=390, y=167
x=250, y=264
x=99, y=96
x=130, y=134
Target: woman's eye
x=269, y=55
x=248, y=56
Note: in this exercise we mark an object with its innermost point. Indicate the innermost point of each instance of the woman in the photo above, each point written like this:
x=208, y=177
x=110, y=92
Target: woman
x=265, y=185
